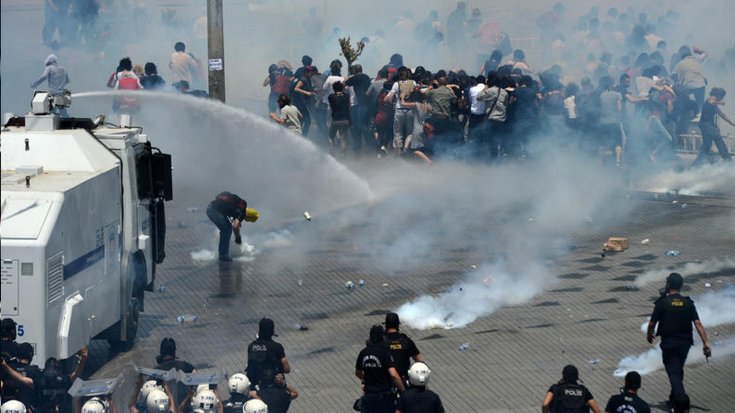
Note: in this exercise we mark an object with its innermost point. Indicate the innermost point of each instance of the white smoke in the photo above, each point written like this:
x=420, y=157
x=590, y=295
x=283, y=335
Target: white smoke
x=252, y=245
x=688, y=269
x=480, y=294
x=650, y=360
x=693, y=182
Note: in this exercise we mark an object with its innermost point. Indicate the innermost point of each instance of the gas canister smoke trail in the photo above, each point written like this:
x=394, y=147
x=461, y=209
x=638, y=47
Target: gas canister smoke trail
x=690, y=268
x=650, y=361
x=482, y=293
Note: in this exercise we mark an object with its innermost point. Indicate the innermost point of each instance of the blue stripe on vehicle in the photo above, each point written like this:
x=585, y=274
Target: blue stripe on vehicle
x=85, y=261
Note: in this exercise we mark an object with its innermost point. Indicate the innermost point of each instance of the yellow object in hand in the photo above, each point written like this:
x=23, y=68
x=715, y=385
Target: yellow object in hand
x=251, y=215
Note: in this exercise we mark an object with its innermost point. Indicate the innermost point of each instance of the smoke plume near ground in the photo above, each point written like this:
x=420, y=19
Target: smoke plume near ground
x=533, y=206
x=650, y=361
x=693, y=182
x=688, y=269
x=715, y=308
x=480, y=294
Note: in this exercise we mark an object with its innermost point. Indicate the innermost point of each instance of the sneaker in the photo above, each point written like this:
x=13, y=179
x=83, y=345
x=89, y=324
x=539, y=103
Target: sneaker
x=225, y=259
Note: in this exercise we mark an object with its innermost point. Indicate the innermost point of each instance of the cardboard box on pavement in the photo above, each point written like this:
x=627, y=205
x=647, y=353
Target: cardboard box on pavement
x=616, y=244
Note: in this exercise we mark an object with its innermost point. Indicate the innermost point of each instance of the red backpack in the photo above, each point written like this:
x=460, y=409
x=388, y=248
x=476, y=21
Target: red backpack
x=383, y=110
x=282, y=85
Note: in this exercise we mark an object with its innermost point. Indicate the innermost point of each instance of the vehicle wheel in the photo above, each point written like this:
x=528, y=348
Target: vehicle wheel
x=132, y=319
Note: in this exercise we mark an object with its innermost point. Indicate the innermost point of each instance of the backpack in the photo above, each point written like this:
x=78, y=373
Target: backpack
x=569, y=398
x=405, y=88
x=383, y=110
x=282, y=85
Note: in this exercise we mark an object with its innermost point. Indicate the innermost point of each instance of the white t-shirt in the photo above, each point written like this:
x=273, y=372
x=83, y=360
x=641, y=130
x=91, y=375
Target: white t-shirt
x=570, y=104
x=331, y=80
x=477, y=107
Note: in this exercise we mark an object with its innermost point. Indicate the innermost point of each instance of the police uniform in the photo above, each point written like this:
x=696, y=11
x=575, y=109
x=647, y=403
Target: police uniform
x=570, y=397
x=276, y=396
x=235, y=403
x=675, y=314
x=263, y=354
x=374, y=361
x=419, y=400
x=627, y=403
x=8, y=350
x=53, y=397
x=402, y=348
x=13, y=390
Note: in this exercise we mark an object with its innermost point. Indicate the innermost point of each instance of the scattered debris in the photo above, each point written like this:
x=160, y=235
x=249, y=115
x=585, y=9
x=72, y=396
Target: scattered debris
x=186, y=318
x=616, y=244
x=674, y=202
x=646, y=241
x=307, y=216
x=673, y=253
x=684, y=206
x=464, y=346
x=707, y=285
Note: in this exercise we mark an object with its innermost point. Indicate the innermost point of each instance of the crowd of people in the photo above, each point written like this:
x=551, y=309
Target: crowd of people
x=626, y=109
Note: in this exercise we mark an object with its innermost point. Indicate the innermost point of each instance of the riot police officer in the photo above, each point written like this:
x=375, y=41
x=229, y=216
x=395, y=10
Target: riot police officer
x=239, y=387
x=8, y=346
x=266, y=354
x=628, y=400
x=417, y=398
x=402, y=348
x=568, y=395
x=375, y=367
x=675, y=315
x=22, y=381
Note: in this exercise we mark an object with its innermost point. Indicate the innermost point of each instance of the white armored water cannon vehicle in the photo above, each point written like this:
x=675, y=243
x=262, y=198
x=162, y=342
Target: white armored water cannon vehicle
x=82, y=225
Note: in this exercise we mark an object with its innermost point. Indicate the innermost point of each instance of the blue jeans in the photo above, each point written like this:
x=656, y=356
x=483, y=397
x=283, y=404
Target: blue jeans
x=225, y=230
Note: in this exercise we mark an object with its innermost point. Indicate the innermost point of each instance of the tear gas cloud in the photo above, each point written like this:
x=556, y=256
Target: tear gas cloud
x=688, y=269
x=481, y=293
x=533, y=205
x=715, y=308
x=693, y=182
x=650, y=360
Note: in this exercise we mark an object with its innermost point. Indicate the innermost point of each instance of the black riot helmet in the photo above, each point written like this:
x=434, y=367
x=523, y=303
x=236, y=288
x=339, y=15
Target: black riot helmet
x=674, y=281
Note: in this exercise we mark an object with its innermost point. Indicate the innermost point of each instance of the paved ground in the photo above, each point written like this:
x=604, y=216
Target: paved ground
x=592, y=311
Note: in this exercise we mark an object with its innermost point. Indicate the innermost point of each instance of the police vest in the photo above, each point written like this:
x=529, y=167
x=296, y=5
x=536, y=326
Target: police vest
x=398, y=346
x=261, y=358
x=570, y=399
x=675, y=318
